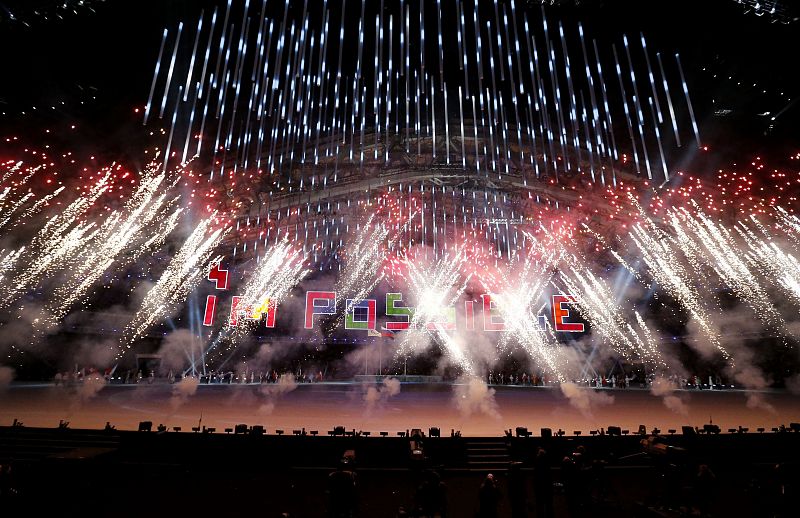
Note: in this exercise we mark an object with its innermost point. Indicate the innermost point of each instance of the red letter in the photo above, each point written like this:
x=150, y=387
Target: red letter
x=218, y=276
x=560, y=313
x=236, y=302
x=211, y=310
x=319, y=303
x=489, y=314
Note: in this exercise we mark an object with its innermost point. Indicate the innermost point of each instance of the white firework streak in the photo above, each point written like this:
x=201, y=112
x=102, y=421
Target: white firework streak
x=9, y=208
x=183, y=273
x=665, y=266
x=36, y=207
x=789, y=223
x=364, y=261
x=721, y=252
x=59, y=241
x=778, y=266
x=595, y=301
x=38, y=263
x=10, y=171
x=8, y=260
x=515, y=299
x=145, y=222
x=280, y=269
x=436, y=289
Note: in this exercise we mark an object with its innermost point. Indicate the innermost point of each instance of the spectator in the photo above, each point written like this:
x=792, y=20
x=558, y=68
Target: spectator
x=488, y=498
x=705, y=480
x=342, y=492
x=431, y=497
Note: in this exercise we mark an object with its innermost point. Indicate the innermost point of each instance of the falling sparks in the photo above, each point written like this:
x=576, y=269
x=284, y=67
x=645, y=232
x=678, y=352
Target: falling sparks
x=281, y=268
x=436, y=287
x=183, y=273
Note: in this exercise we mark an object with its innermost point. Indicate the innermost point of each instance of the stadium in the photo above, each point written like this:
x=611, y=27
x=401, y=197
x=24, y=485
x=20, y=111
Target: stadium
x=542, y=252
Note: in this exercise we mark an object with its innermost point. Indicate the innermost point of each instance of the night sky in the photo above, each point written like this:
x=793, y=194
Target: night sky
x=95, y=66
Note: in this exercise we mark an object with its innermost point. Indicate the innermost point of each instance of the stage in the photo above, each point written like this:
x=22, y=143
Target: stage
x=321, y=406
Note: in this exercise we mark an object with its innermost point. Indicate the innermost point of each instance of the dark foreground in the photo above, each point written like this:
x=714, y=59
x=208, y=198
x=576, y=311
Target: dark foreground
x=70, y=472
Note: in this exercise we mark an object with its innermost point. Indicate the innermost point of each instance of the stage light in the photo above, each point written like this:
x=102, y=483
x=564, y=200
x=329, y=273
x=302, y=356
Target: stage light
x=228, y=430
x=731, y=430
x=671, y=431
x=297, y=432
x=760, y=430
x=401, y=434
x=145, y=426
x=743, y=429
x=577, y=433
x=384, y=434
x=434, y=432
x=279, y=432
x=176, y=428
x=593, y=432
x=366, y=434
x=314, y=433
x=625, y=432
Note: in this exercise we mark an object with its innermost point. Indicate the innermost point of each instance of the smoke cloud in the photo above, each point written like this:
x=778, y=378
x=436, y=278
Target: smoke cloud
x=91, y=386
x=472, y=396
x=665, y=389
x=176, y=349
x=182, y=391
x=375, y=397
x=584, y=399
x=273, y=392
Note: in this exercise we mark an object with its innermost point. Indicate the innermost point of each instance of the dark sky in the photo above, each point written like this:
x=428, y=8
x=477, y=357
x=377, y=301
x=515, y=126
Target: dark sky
x=105, y=58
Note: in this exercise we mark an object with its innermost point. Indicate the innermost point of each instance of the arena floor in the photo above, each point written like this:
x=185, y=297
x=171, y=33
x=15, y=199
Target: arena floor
x=322, y=406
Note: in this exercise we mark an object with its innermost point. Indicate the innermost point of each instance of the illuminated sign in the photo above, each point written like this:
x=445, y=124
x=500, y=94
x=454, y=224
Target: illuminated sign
x=362, y=315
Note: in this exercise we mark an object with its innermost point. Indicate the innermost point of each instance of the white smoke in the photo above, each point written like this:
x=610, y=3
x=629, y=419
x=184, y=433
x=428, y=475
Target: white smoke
x=473, y=397
x=183, y=390
x=665, y=389
x=584, y=399
x=274, y=391
x=375, y=397
x=177, y=348
x=91, y=386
